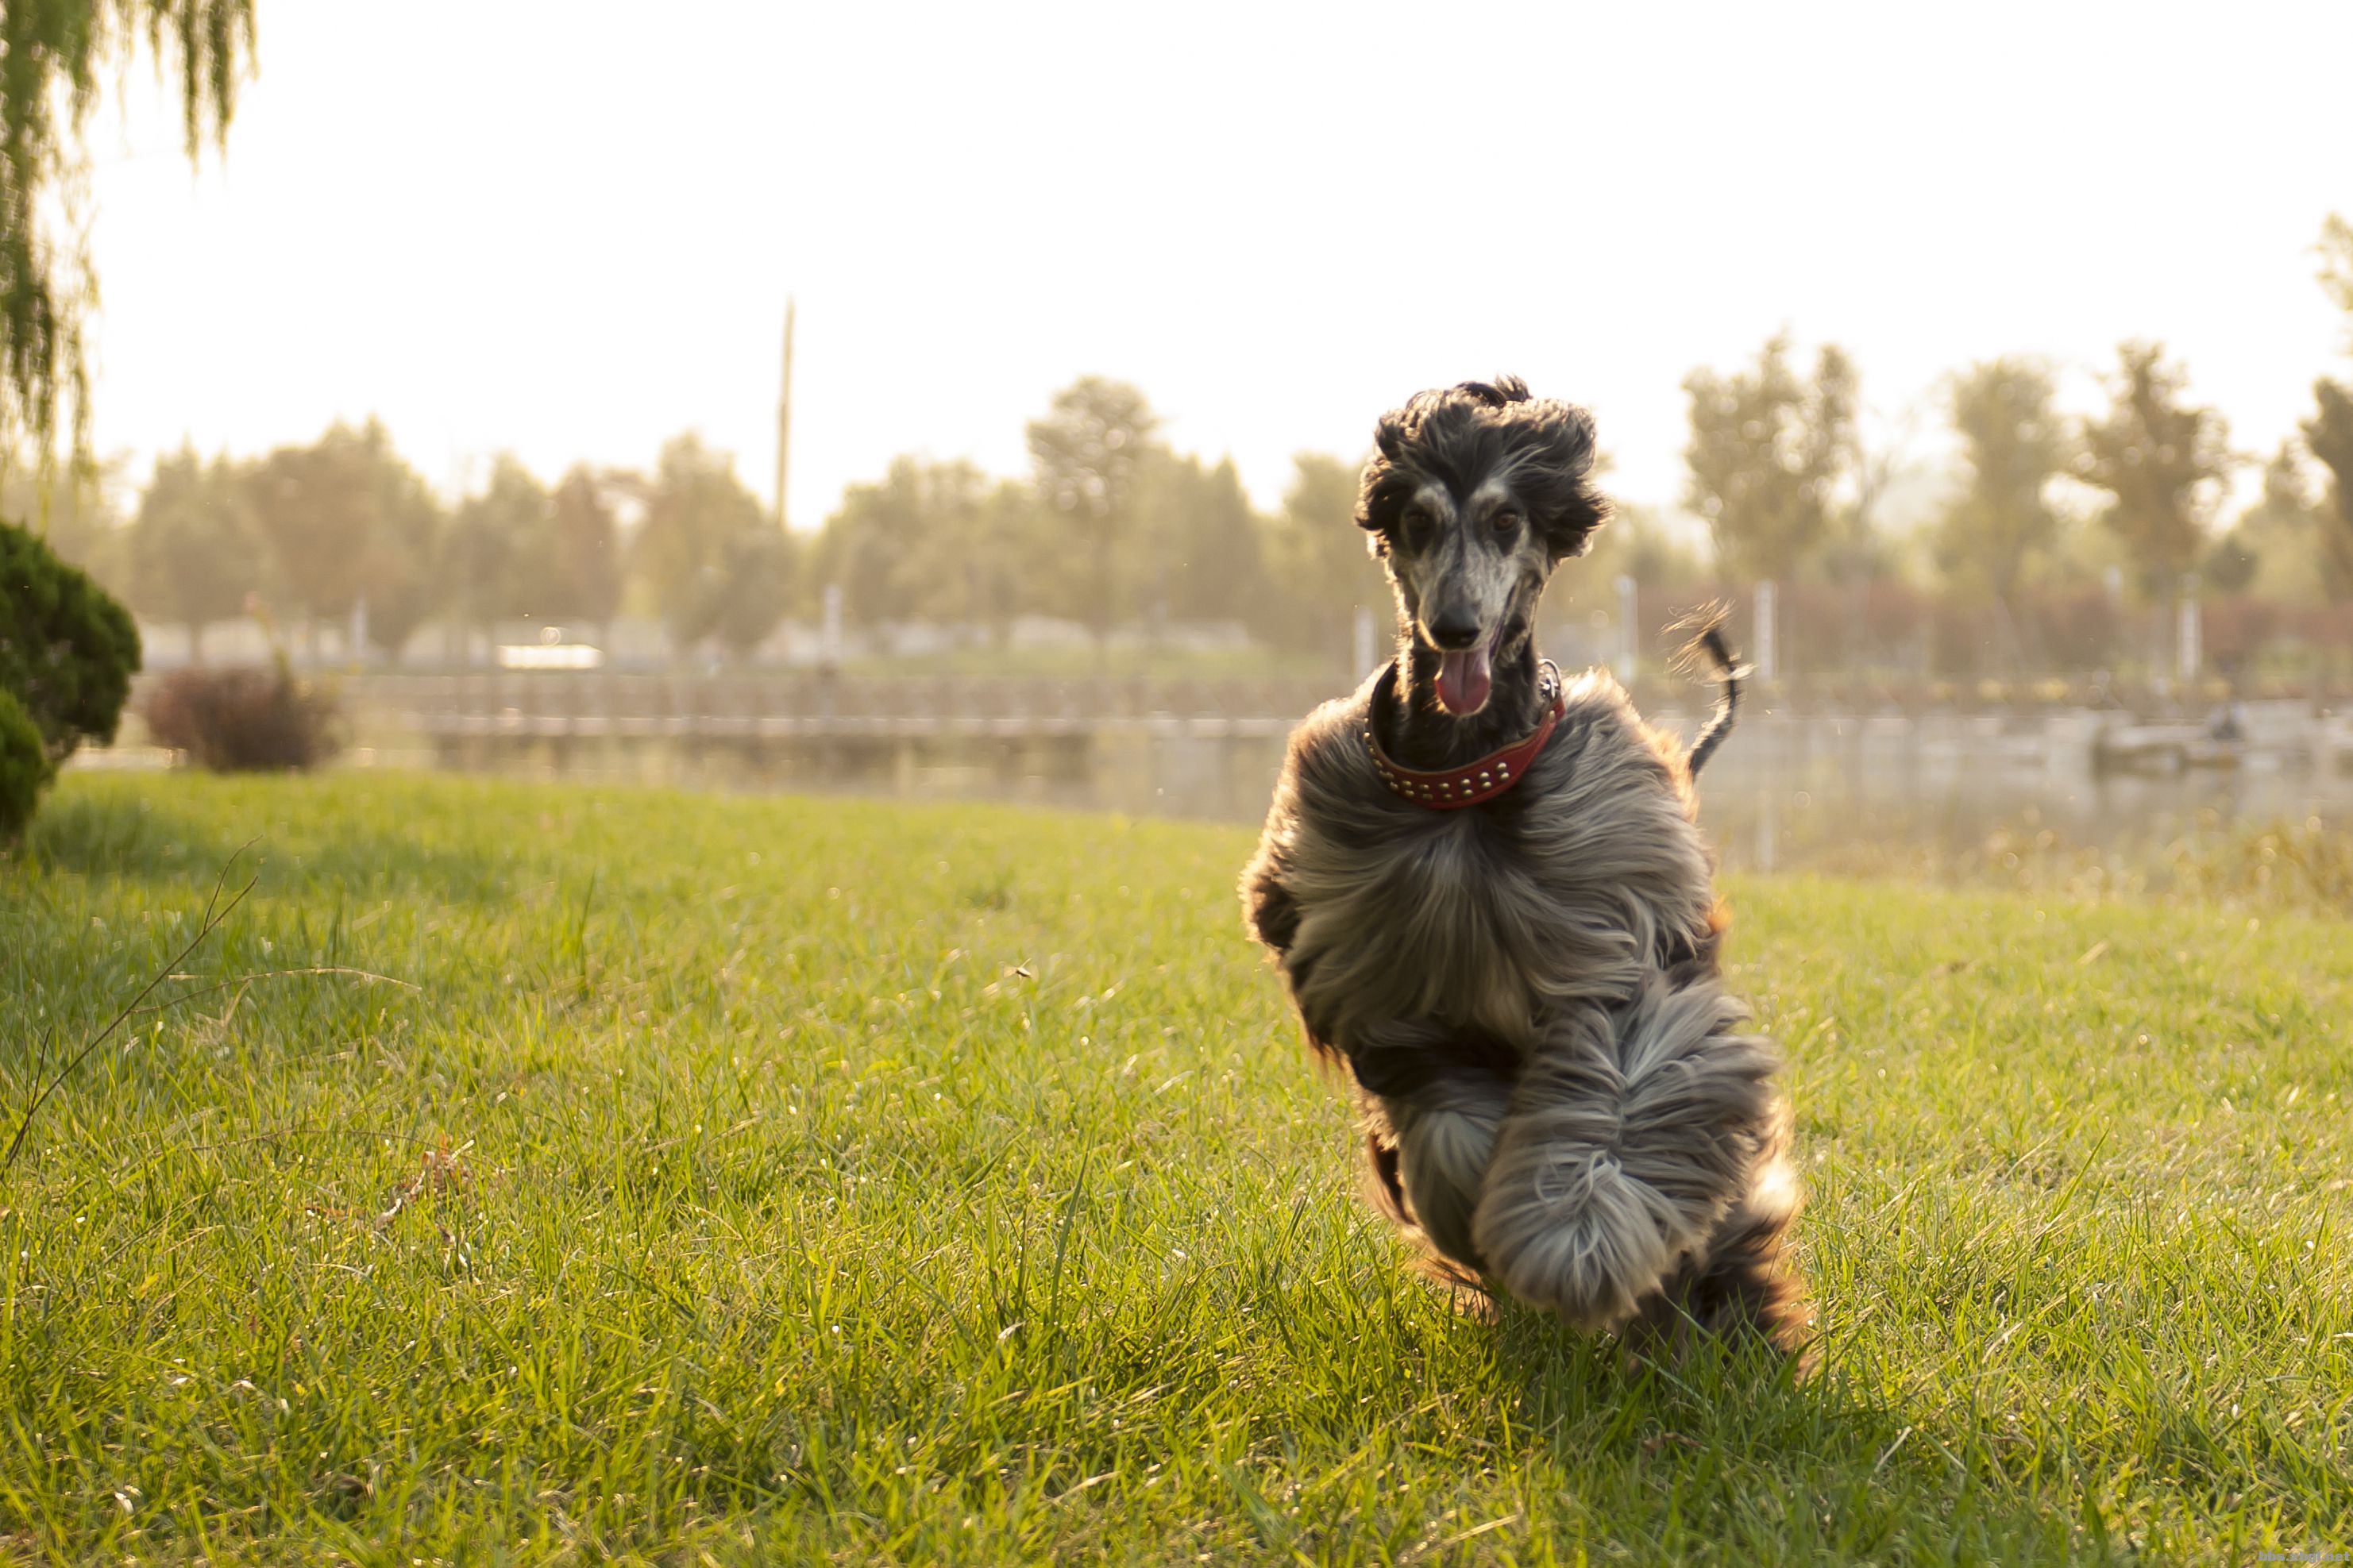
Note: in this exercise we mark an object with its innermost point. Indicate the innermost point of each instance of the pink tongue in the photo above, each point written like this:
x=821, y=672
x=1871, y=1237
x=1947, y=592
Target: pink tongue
x=1463, y=679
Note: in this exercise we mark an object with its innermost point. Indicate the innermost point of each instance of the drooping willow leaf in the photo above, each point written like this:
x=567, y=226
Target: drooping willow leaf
x=51, y=53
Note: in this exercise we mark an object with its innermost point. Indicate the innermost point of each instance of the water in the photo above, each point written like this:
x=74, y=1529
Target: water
x=1764, y=816
x=1778, y=796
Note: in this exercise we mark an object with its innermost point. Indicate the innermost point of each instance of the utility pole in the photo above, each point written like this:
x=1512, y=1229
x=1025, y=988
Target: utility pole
x=785, y=416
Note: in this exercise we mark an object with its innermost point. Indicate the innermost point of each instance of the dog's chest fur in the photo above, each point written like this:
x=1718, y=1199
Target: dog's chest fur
x=1479, y=922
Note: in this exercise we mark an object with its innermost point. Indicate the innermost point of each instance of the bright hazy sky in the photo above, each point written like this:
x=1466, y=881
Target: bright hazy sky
x=568, y=228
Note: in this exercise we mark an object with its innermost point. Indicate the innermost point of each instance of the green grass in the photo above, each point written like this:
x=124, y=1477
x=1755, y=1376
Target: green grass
x=741, y=1180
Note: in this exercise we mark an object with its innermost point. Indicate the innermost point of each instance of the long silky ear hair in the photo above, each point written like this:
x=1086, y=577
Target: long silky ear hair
x=1392, y=475
x=1556, y=474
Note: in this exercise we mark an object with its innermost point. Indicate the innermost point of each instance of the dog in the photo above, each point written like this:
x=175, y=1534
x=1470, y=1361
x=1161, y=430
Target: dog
x=1488, y=895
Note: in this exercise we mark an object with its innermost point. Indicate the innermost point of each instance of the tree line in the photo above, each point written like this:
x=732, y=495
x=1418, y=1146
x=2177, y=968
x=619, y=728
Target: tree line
x=1110, y=528
x=344, y=533
x=1113, y=528
x=2058, y=542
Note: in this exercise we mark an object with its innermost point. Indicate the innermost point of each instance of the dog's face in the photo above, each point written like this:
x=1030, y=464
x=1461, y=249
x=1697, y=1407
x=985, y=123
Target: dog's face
x=1473, y=496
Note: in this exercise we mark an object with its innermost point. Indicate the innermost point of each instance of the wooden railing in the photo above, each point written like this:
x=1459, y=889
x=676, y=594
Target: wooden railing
x=556, y=704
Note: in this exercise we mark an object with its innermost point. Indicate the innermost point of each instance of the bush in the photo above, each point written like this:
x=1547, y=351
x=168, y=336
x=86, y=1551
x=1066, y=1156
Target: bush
x=67, y=649
x=245, y=720
x=25, y=767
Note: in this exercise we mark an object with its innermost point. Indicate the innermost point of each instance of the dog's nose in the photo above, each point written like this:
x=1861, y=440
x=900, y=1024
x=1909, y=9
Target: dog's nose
x=1454, y=630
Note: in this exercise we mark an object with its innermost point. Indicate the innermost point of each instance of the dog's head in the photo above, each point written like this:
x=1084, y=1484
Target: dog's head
x=1473, y=496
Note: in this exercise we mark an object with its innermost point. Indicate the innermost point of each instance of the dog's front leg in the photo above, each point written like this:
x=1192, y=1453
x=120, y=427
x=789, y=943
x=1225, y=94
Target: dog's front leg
x=1443, y=1099
x=1630, y=1134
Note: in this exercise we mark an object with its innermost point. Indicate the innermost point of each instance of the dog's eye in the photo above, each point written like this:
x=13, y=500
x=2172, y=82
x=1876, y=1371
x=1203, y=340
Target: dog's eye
x=1415, y=518
x=1505, y=520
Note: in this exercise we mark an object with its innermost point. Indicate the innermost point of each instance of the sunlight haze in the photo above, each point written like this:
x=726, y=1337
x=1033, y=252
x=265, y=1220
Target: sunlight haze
x=572, y=236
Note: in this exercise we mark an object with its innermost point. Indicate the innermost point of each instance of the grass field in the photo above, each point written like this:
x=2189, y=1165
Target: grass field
x=730, y=1180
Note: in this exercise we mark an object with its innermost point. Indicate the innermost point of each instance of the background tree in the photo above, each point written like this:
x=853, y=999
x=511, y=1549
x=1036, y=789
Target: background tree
x=2329, y=431
x=2274, y=548
x=899, y=548
x=193, y=551
x=77, y=513
x=320, y=509
x=1318, y=567
x=978, y=563
x=933, y=540
x=1089, y=453
x=579, y=554
x=1766, y=452
x=50, y=56
x=2336, y=267
x=2231, y=563
x=401, y=582
x=1635, y=544
x=1000, y=560
x=2013, y=444
x=1199, y=556
x=481, y=551
x=2162, y=462
x=694, y=507
x=744, y=595
x=1672, y=573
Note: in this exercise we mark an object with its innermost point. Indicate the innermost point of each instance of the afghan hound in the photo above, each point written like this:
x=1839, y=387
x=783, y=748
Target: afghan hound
x=1487, y=891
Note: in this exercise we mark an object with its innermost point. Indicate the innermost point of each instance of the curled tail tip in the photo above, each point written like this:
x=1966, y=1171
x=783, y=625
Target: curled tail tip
x=1710, y=652
x=1724, y=664
x=1706, y=651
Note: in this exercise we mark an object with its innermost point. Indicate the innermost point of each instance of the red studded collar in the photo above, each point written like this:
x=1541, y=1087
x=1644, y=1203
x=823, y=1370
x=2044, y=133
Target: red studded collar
x=1483, y=780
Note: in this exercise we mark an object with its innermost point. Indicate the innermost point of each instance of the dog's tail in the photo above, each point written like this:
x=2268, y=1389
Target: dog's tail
x=1708, y=653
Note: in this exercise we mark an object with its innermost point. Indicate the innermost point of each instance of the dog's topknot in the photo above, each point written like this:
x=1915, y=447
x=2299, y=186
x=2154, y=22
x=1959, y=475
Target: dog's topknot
x=1466, y=434
x=1496, y=393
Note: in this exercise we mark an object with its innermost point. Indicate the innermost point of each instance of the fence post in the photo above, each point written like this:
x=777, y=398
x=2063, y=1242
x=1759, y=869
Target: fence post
x=1629, y=638
x=828, y=646
x=2188, y=653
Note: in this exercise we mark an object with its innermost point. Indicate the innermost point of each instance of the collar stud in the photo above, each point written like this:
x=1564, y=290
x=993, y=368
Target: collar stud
x=1454, y=788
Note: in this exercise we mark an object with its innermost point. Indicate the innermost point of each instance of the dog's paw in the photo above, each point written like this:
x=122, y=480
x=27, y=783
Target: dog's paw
x=1629, y=1138
x=1562, y=1227
x=1443, y=1150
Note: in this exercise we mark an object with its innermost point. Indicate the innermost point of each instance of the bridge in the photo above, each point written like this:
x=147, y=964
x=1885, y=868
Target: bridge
x=850, y=721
